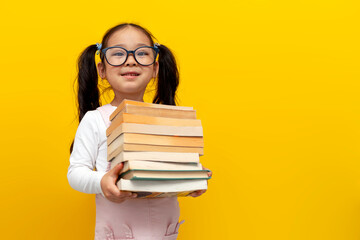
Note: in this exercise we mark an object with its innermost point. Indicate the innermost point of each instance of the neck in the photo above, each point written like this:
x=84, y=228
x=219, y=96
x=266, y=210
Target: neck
x=118, y=99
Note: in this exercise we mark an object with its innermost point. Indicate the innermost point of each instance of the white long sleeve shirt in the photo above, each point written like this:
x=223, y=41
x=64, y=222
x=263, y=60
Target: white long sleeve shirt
x=89, y=152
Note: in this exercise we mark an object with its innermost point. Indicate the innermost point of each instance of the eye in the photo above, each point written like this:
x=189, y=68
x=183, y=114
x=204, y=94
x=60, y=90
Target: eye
x=119, y=54
x=142, y=53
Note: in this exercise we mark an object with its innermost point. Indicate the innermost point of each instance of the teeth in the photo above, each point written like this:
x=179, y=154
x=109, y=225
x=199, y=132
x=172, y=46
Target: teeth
x=131, y=74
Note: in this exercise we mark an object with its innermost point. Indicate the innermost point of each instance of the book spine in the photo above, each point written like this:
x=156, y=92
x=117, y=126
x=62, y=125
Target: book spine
x=160, y=112
x=142, y=119
x=163, y=194
x=152, y=105
x=152, y=148
x=179, y=141
x=155, y=130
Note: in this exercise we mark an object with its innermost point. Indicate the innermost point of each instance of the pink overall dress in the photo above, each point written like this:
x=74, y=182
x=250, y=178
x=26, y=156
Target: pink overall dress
x=140, y=219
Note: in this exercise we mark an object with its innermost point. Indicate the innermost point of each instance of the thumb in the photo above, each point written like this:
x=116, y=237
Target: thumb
x=116, y=170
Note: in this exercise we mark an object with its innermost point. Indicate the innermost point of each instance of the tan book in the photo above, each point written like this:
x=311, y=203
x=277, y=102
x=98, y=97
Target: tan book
x=176, y=157
x=162, y=194
x=155, y=130
x=157, y=156
x=153, y=165
x=157, y=112
x=128, y=147
x=165, y=188
x=141, y=119
x=144, y=104
x=164, y=175
x=138, y=138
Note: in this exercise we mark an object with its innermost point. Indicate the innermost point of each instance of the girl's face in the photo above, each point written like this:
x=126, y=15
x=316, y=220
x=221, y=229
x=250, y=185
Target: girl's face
x=125, y=85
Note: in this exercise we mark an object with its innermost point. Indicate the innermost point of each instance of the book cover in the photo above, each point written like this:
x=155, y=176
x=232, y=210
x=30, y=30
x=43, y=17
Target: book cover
x=142, y=119
x=138, y=138
x=145, y=174
x=165, y=186
x=128, y=147
x=155, y=130
x=156, y=156
x=153, y=165
x=145, y=104
x=162, y=194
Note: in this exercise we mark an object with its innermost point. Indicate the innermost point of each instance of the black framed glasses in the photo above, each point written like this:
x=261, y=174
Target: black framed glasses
x=144, y=55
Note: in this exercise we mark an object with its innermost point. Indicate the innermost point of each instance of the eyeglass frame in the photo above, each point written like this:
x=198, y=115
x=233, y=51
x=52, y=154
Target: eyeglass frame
x=155, y=47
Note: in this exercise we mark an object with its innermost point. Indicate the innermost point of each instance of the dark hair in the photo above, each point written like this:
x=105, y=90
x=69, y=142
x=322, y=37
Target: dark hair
x=88, y=92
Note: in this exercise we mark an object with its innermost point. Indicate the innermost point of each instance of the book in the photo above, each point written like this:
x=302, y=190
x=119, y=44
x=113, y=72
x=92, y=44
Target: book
x=165, y=188
x=144, y=104
x=160, y=146
x=153, y=165
x=158, y=112
x=162, y=194
x=143, y=174
x=155, y=130
x=138, y=138
x=156, y=156
x=142, y=119
x=128, y=147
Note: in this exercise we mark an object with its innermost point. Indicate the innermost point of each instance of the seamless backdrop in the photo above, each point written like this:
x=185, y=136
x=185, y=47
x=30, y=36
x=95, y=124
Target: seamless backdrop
x=275, y=83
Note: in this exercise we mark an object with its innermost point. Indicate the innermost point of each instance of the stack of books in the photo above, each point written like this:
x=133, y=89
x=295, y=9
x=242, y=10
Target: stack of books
x=160, y=146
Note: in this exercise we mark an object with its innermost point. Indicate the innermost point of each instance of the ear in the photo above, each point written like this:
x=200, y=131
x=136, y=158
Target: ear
x=156, y=69
x=101, y=69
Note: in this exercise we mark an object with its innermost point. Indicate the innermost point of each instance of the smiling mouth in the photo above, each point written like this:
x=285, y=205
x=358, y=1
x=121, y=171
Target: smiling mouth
x=130, y=74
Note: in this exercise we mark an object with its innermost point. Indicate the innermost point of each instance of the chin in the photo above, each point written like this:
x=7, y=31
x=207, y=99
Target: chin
x=131, y=90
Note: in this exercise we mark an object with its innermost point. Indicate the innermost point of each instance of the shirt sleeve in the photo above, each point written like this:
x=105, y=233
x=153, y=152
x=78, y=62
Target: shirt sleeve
x=81, y=174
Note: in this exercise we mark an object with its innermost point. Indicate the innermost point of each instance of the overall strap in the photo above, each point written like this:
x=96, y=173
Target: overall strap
x=105, y=112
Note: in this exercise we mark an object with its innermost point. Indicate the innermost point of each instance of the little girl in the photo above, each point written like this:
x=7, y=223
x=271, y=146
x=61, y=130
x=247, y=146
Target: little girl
x=128, y=62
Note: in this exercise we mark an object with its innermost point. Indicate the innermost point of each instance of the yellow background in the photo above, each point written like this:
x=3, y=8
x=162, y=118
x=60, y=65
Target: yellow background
x=275, y=83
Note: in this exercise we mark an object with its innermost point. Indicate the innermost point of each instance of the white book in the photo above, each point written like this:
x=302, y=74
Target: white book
x=162, y=186
x=152, y=165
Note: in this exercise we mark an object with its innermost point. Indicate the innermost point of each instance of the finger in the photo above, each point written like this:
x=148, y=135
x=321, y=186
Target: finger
x=114, y=191
x=193, y=194
x=121, y=197
x=209, y=173
x=123, y=194
x=197, y=193
x=118, y=167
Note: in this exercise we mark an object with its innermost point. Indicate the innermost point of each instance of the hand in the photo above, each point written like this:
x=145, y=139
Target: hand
x=109, y=188
x=200, y=192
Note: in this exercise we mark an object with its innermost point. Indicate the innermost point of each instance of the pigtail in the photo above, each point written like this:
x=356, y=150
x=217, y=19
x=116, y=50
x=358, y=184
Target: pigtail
x=168, y=77
x=88, y=92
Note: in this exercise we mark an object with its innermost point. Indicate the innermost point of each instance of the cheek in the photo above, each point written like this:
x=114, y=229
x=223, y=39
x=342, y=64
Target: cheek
x=111, y=72
x=151, y=72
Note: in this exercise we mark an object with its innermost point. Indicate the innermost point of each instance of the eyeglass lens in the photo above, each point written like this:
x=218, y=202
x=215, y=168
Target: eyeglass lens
x=143, y=55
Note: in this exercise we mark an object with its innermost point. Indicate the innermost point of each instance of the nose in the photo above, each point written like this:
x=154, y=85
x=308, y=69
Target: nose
x=130, y=61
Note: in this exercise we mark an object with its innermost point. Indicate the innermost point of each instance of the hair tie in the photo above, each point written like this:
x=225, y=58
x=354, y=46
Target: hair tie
x=98, y=46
